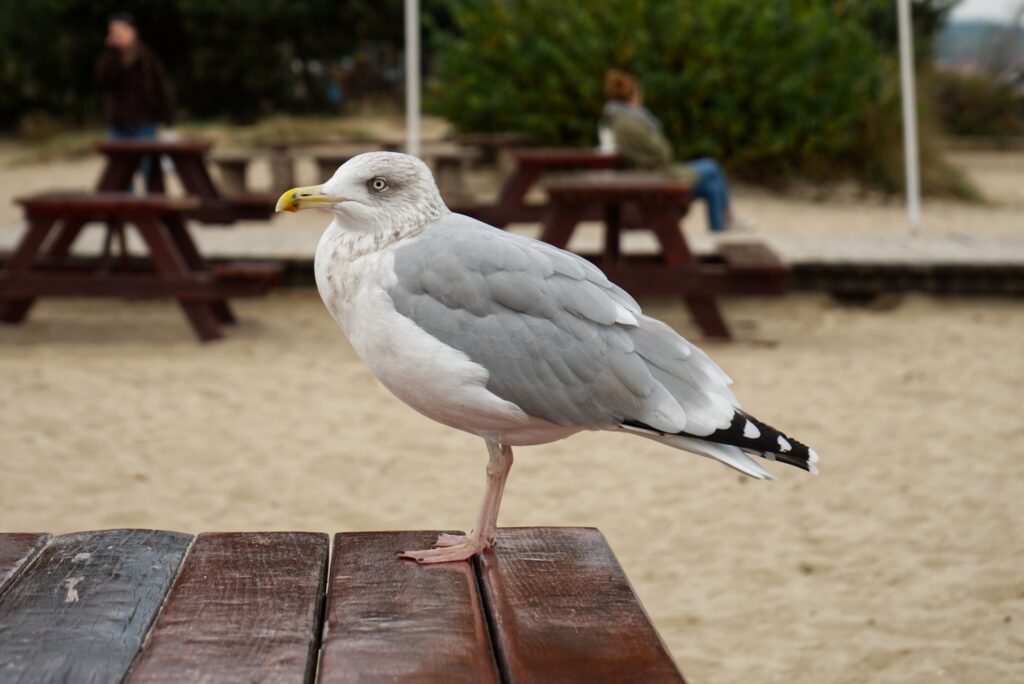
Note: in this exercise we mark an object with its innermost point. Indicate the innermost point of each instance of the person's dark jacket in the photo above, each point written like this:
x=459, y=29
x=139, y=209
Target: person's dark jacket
x=135, y=91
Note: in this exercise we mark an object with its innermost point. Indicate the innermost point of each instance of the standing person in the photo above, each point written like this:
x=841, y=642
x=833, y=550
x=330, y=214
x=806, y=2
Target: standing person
x=629, y=128
x=136, y=93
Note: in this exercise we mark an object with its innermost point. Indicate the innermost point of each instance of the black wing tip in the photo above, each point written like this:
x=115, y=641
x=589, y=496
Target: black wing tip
x=755, y=437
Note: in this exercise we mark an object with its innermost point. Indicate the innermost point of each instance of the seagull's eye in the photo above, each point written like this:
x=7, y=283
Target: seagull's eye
x=379, y=183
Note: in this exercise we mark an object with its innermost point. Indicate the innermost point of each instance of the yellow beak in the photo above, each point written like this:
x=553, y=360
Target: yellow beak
x=305, y=198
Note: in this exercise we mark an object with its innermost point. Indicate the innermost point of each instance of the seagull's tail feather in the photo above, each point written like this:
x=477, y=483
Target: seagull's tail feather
x=744, y=434
x=729, y=455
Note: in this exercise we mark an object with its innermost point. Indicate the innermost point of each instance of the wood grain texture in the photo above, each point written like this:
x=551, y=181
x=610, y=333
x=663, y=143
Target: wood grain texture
x=562, y=610
x=80, y=611
x=393, y=620
x=16, y=550
x=246, y=607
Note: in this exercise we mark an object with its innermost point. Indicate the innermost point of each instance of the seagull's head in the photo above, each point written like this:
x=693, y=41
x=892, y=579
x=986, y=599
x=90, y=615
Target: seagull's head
x=374, y=191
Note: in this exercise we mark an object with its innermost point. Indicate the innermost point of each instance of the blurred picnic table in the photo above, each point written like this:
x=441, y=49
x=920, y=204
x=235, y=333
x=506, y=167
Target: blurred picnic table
x=42, y=265
x=125, y=158
x=544, y=605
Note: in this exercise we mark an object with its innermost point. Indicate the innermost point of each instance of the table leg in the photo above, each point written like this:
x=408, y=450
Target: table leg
x=612, y=233
x=66, y=236
x=194, y=260
x=24, y=257
x=560, y=223
x=513, y=195
x=704, y=309
x=117, y=175
x=194, y=176
x=155, y=177
x=167, y=259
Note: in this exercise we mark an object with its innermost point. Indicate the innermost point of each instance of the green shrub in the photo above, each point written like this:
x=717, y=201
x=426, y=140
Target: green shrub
x=975, y=104
x=774, y=89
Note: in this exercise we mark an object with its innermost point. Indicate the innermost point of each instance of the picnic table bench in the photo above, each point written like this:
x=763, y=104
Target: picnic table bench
x=189, y=157
x=530, y=166
x=544, y=605
x=658, y=203
x=41, y=265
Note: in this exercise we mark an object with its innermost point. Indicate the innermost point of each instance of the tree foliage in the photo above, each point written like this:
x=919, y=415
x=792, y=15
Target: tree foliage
x=232, y=58
x=773, y=88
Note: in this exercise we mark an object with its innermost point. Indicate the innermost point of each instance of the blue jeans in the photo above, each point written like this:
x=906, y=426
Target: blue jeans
x=712, y=188
x=146, y=131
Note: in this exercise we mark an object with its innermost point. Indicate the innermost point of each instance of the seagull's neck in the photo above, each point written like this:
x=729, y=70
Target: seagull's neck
x=356, y=238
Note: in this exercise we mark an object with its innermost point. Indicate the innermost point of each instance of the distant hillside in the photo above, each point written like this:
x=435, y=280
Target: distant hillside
x=978, y=43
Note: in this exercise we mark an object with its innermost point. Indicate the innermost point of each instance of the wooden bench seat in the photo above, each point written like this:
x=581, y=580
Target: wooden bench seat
x=545, y=605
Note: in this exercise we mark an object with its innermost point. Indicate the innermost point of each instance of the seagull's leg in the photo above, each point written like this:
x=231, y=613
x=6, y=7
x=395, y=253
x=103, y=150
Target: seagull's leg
x=451, y=547
x=490, y=533
x=498, y=466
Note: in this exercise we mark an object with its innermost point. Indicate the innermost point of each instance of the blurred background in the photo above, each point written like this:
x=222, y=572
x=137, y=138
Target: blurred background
x=895, y=353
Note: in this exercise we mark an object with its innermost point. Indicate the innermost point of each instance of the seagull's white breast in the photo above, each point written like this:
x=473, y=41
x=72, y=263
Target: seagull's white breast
x=435, y=379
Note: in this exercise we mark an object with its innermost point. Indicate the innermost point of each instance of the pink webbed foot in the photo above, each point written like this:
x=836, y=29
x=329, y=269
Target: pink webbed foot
x=455, y=548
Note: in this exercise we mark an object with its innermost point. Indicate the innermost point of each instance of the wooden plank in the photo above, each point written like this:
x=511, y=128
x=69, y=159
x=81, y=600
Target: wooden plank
x=394, y=620
x=246, y=607
x=16, y=551
x=562, y=610
x=80, y=611
x=100, y=205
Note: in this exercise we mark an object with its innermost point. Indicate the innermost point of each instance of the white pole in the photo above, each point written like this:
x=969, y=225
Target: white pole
x=412, y=77
x=909, y=115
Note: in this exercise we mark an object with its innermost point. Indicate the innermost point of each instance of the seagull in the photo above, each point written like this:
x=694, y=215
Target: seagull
x=509, y=338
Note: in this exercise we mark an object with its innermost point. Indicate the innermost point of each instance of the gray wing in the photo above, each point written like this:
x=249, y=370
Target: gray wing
x=557, y=338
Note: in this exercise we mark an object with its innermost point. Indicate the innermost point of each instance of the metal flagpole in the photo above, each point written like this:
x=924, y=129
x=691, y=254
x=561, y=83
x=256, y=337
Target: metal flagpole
x=909, y=115
x=412, y=77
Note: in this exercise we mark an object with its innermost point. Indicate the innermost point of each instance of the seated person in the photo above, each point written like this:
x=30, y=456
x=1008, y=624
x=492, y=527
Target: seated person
x=627, y=127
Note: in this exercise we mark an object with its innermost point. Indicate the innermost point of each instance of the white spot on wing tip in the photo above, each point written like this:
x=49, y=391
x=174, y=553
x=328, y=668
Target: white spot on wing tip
x=784, y=445
x=812, y=469
x=750, y=431
x=812, y=456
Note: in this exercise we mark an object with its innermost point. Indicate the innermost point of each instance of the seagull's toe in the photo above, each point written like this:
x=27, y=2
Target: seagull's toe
x=456, y=550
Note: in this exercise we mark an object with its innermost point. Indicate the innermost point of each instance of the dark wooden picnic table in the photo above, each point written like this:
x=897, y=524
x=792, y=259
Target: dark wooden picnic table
x=124, y=158
x=42, y=265
x=530, y=166
x=545, y=605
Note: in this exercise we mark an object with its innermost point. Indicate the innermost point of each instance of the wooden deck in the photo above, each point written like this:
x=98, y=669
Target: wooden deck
x=545, y=605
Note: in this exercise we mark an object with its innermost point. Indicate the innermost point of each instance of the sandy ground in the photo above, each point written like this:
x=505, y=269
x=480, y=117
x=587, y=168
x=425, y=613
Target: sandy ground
x=901, y=563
